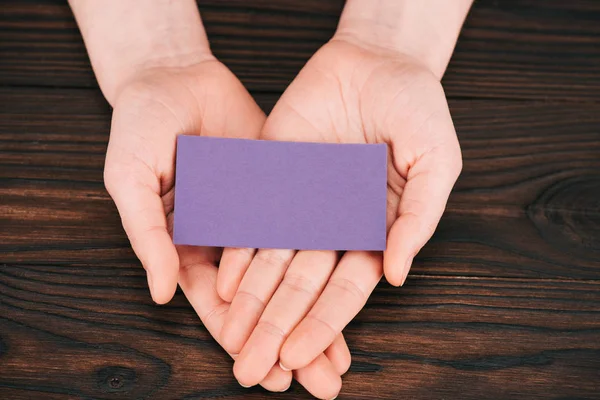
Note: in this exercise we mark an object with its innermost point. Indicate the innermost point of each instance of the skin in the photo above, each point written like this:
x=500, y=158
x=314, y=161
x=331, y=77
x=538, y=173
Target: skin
x=139, y=175
x=183, y=91
x=376, y=81
x=358, y=88
x=298, y=303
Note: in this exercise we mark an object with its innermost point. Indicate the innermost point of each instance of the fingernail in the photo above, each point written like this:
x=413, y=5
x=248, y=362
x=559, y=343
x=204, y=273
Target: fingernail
x=333, y=398
x=405, y=270
x=244, y=386
x=282, y=367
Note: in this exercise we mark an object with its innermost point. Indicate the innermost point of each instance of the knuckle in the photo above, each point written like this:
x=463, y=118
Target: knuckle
x=299, y=283
x=252, y=296
x=350, y=288
x=271, y=258
x=272, y=329
x=333, y=332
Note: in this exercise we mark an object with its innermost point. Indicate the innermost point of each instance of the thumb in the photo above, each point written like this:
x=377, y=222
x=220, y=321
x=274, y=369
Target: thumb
x=143, y=216
x=423, y=201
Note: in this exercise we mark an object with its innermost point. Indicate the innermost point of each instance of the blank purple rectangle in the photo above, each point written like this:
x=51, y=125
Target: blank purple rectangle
x=284, y=195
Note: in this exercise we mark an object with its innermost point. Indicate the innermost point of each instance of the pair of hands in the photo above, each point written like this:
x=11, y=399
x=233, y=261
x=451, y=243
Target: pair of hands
x=280, y=313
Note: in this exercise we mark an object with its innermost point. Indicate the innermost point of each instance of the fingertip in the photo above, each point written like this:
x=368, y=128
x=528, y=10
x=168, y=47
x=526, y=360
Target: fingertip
x=333, y=390
x=342, y=364
x=162, y=295
x=162, y=288
x=397, y=258
x=336, y=389
x=246, y=376
x=224, y=288
x=320, y=378
x=286, y=358
x=162, y=277
x=346, y=367
x=277, y=380
x=339, y=355
x=234, y=263
x=406, y=270
x=306, y=343
x=391, y=271
x=278, y=386
x=290, y=356
x=240, y=376
x=396, y=268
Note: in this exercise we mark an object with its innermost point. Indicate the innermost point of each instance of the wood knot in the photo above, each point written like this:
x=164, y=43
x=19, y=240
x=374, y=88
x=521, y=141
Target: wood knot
x=115, y=379
x=567, y=215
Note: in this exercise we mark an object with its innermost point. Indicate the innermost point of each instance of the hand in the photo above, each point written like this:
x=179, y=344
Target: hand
x=198, y=280
x=149, y=112
x=291, y=306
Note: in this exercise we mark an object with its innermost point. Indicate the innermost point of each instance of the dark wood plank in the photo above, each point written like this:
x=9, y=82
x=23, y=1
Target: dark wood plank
x=534, y=49
x=445, y=338
x=75, y=223
x=525, y=206
x=504, y=302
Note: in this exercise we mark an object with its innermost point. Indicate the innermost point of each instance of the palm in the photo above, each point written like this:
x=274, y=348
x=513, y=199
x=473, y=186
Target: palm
x=204, y=99
x=347, y=94
x=165, y=103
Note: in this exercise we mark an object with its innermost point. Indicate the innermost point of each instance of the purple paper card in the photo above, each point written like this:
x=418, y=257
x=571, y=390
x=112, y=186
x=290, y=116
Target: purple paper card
x=283, y=195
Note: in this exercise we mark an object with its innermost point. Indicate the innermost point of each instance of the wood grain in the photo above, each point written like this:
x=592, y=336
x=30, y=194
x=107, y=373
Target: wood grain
x=526, y=204
x=456, y=338
x=503, y=302
x=534, y=49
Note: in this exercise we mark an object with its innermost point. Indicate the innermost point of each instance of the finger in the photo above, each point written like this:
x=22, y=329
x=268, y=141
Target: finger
x=339, y=354
x=347, y=291
x=302, y=284
x=320, y=378
x=277, y=380
x=423, y=201
x=234, y=264
x=143, y=215
x=258, y=285
x=198, y=281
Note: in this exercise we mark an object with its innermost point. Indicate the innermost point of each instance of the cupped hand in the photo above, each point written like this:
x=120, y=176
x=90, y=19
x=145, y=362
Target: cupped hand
x=149, y=113
x=291, y=306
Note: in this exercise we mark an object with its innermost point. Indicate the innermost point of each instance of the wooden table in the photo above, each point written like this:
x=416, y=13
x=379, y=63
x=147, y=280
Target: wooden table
x=504, y=302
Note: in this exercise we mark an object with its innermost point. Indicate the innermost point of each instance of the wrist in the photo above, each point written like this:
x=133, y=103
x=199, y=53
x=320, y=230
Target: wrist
x=426, y=30
x=125, y=39
x=113, y=78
